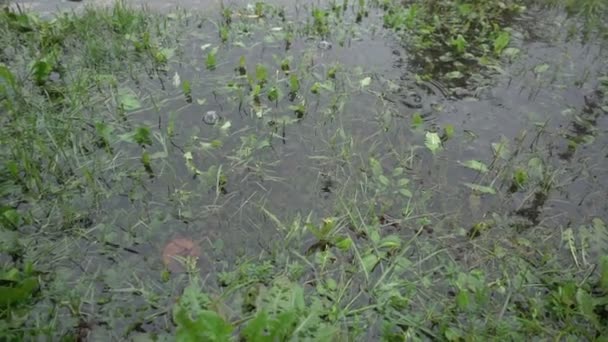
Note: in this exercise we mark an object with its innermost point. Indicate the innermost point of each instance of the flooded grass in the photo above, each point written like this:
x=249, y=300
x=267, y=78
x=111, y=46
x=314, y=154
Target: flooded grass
x=334, y=171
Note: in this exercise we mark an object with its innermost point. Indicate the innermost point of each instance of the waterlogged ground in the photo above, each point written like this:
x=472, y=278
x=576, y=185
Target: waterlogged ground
x=505, y=176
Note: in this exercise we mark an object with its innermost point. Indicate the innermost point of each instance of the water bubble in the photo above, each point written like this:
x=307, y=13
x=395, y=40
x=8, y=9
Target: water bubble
x=211, y=118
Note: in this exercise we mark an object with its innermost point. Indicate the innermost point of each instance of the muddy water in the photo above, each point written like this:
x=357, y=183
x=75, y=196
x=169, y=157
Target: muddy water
x=301, y=170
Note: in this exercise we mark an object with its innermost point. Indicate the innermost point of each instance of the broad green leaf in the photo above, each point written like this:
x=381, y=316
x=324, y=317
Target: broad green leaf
x=475, y=165
x=481, y=188
x=433, y=141
x=344, y=243
x=17, y=294
x=501, y=42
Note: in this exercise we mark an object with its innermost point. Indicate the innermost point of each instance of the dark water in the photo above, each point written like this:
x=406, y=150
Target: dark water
x=290, y=176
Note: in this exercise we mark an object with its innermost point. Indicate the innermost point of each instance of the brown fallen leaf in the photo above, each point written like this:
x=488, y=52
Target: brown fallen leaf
x=179, y=247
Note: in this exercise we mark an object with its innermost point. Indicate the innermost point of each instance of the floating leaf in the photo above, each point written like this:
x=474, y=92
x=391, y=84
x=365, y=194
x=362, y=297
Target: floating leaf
x=475, y=165
x=502, y=149
x=453, y=75
x=366, y=82
x=211, y=60
x=179, y=247
x=127, y=99
x=539, y=69
x=481, y=188
x=535, y=168
x=417, y=120
x=432, y=141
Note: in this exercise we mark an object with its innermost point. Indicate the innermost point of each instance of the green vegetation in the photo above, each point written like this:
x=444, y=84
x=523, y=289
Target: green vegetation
x=314, y=205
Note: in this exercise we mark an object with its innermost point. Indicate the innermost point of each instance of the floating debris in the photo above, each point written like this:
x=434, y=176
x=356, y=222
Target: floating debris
x=211, y=117
x=324, y=45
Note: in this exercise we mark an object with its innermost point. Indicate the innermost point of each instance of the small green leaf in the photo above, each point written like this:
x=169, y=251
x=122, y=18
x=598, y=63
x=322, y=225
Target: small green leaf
x=417, y=120
x=142, y=136
x=475, y=165
x=433, y=141
x=211, y=61
x=376, y=167
x=462, y=300
x=273, y=94
x=481, y=188
x=539, y=69
x=453, y=75
x=366, y=82
x=384, y=180
x=390, y=242
x=448, y=131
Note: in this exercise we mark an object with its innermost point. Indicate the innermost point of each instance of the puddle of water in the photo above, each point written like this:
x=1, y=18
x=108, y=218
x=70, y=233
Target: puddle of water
x=275, y=162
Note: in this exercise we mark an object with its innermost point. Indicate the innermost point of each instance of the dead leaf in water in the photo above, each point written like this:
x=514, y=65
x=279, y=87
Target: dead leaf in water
x=179, y=247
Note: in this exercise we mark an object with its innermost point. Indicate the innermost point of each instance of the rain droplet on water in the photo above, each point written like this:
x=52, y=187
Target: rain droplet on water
x=211, y=117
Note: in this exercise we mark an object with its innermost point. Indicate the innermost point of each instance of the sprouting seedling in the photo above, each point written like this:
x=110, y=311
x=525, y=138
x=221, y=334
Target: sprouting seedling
x=257, y=89
x=259, y=9
x=285, y=65
x=242, y=68
x=261, y=74
x=274, y=94
x=331, y=73
x=187, y=90
x=211, y=60
x=299, y=110
x=288, y=39
x=145, y=160
x=227, y=15
x=142, y=136
x=294, y=83
x=224, y=32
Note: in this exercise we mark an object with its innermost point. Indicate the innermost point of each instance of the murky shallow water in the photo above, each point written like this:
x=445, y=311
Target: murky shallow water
x=311, y=165
x=290, y=174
